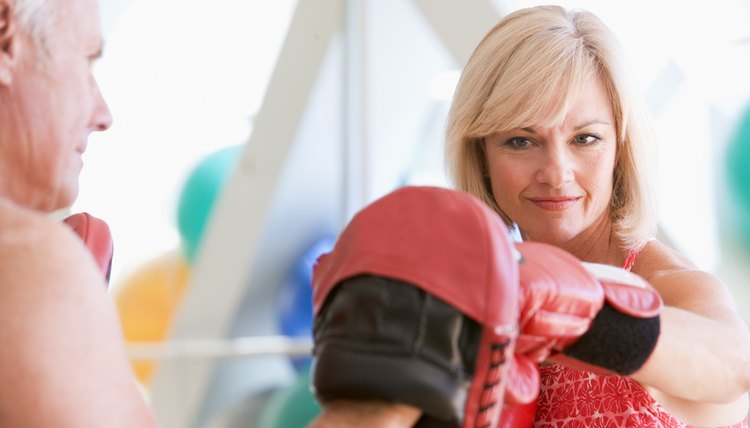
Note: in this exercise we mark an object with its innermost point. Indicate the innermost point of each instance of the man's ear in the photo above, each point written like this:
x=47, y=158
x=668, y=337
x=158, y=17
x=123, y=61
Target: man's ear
x=7, y=40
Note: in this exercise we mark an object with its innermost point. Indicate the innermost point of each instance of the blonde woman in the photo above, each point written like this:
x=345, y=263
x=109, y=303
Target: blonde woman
x=545, y=129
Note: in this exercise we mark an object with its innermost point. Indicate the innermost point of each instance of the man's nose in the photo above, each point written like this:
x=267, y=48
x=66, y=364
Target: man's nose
x=101, y=118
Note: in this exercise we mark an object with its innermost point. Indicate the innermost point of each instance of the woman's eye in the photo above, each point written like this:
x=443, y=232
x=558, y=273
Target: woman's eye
x=518, y=142
x=585, y=139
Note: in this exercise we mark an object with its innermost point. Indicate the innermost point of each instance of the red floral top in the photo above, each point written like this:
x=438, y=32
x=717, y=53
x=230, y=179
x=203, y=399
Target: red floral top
x=577, y=398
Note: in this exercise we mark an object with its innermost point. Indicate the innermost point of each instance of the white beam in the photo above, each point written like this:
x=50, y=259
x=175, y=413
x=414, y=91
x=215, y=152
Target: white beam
x=228, y=251
x=460, y=25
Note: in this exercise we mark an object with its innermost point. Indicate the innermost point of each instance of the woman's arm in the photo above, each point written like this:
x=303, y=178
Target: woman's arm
x=703, y=353
x=700, y=369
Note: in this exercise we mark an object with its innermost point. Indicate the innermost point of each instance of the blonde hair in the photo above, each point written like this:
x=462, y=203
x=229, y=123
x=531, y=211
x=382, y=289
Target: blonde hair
x=536, y=61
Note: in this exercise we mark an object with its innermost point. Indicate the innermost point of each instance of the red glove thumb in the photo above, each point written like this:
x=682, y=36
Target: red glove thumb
x=521, y=391
x=522, y=385
x=96, y=237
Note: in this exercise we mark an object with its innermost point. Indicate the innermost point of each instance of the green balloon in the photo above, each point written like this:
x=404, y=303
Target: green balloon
x=738, y=171
x=199, y=194
x=291, y=407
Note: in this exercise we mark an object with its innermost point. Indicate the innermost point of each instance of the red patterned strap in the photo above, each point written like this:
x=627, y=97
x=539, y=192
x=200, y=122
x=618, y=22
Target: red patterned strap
x=633, y=255
x=631, y=258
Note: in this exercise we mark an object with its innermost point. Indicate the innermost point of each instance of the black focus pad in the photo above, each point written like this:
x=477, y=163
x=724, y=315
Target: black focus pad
x=616, y=341
x=382, y=339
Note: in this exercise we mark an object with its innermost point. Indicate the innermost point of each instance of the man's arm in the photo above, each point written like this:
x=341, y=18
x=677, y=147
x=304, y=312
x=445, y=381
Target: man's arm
x=366, y=414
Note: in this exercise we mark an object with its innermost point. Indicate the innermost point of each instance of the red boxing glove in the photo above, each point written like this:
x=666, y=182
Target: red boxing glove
x=518, y=416
x=523, y=375
x=418, y=304
x=593, y=316
x=96, y=237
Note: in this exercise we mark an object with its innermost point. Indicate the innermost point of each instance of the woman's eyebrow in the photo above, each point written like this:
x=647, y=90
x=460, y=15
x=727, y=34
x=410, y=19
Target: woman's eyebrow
x=531, y=130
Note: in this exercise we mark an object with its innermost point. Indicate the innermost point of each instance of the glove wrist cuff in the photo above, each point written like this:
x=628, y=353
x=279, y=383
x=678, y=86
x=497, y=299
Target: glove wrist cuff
x=616, y=341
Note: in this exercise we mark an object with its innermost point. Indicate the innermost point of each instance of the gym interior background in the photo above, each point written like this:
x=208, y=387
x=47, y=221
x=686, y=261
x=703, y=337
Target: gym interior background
x=246, y=134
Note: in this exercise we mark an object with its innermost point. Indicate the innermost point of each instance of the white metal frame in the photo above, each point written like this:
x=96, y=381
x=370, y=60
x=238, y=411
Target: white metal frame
x=225, y=260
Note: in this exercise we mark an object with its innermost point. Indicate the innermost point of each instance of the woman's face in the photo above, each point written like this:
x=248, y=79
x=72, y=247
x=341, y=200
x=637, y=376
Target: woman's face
x=556, y=182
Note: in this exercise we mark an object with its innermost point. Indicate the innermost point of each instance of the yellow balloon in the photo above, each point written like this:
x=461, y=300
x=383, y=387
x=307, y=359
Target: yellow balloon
x=147, y=300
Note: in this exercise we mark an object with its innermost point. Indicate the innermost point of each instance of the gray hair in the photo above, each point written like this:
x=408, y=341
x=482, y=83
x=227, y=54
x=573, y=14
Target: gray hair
x=34, y=17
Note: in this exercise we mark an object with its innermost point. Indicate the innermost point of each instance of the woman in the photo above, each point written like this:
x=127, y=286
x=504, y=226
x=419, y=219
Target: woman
x=544, y=129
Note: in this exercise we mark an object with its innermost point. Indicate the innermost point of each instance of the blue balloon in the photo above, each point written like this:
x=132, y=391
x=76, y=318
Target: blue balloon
x=295, y=297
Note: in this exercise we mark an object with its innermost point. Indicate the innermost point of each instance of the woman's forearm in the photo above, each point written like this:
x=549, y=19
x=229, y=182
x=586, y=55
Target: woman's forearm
x=698, y=358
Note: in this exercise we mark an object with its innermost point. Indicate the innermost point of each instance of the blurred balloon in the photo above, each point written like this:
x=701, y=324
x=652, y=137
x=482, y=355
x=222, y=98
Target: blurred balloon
x=738, y=171
x=199, y=195
x=294, y=300
x=291, y=407
x=146, y=302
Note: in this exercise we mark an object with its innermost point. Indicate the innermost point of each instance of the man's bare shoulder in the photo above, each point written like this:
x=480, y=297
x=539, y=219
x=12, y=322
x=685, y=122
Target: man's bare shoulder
x=19, y=224
x=32, y=243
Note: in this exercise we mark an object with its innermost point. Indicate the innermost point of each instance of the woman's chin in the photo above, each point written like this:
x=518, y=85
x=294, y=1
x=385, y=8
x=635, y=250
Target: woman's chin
x=549, y=236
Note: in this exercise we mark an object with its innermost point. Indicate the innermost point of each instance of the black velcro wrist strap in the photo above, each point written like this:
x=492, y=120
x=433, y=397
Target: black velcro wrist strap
x=616, y=341
x=381, y=339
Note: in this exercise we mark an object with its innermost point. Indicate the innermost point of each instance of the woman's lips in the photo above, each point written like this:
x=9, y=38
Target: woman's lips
x=555, y=203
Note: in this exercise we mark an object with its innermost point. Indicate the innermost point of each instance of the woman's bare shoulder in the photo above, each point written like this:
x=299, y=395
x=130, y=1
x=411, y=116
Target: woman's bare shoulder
x=680, y=282
x=657, y=259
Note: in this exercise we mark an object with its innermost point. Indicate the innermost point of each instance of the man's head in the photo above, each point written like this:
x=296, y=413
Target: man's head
x=49, y=99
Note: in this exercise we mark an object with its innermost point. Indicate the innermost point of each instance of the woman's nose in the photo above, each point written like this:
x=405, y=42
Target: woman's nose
x=557, y=167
